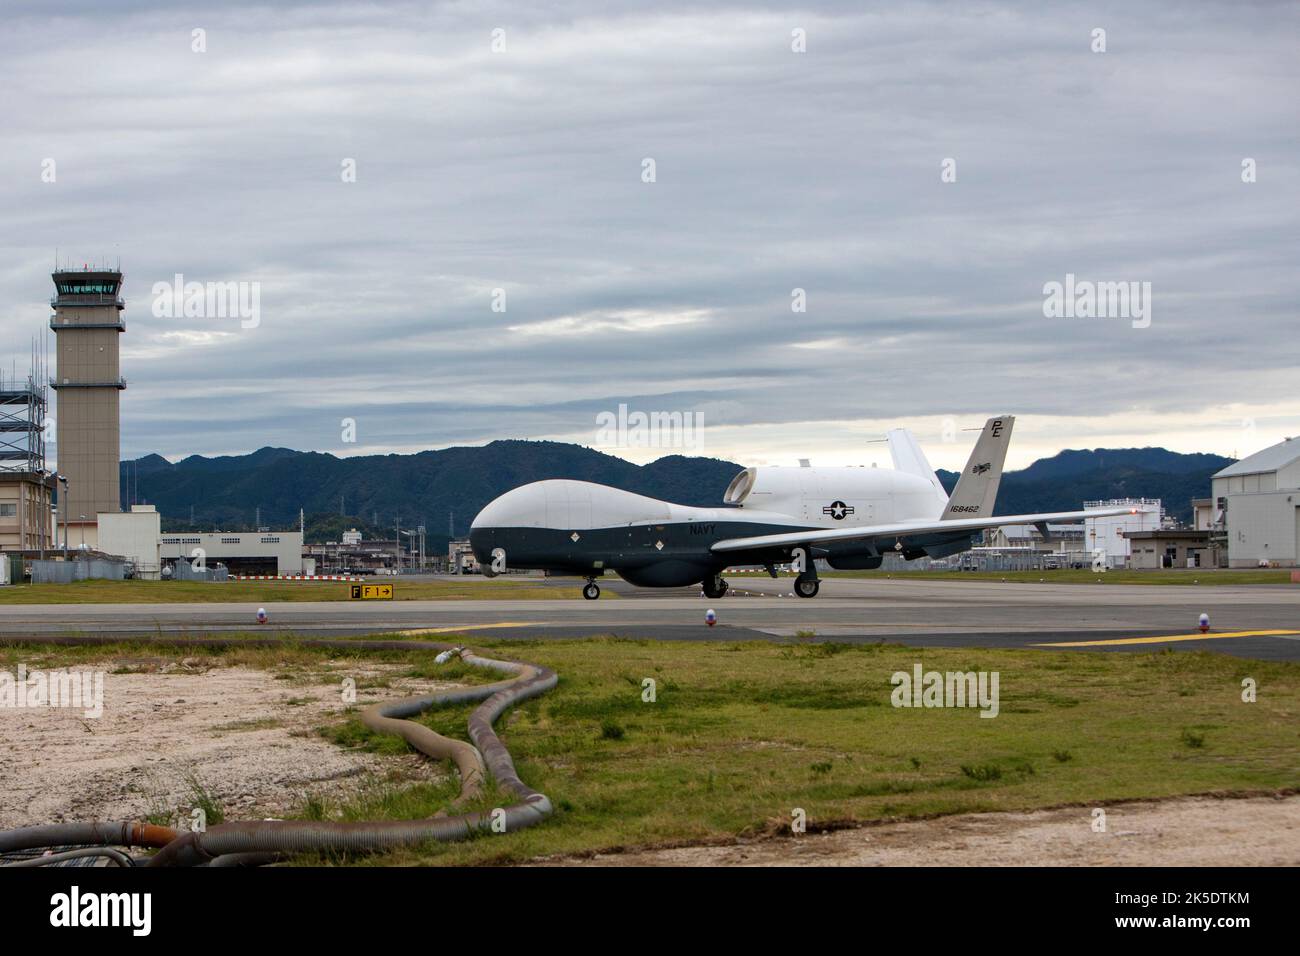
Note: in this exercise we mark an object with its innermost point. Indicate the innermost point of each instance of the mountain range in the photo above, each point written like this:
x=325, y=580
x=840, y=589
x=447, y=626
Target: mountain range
x=1069, y=478
x=446, y=488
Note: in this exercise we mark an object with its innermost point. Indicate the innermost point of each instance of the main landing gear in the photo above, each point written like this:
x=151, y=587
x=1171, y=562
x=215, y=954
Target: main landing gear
x=715, y=587
x=806, y=586
x=592, y=590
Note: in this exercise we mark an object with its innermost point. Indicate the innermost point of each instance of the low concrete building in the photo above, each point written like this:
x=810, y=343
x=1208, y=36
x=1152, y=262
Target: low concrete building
x=1169, y=548
x=25, y=516
x=242, y=552
x=1060, y=537
x=460, y=557
x=134, y=535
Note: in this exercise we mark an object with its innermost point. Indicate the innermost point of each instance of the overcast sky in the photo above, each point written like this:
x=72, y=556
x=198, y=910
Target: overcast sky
x=522, y=169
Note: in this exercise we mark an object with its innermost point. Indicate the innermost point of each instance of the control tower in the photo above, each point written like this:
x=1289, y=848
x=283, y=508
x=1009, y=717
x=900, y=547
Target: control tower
x=87, y=321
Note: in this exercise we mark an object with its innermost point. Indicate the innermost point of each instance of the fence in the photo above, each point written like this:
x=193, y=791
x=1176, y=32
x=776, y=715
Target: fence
x=78, y=569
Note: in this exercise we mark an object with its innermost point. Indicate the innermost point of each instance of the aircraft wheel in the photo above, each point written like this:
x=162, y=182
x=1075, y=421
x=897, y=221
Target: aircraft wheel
x=807, y=588
x=716, y=587
x=591, y=591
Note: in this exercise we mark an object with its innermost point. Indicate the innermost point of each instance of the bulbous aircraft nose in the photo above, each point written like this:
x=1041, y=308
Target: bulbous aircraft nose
x=522, y=507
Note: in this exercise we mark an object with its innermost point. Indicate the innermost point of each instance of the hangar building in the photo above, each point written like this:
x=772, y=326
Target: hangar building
x=1259, y=501
x=243, y=552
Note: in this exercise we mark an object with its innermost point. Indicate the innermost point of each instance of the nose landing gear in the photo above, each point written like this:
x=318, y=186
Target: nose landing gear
x=592, y=590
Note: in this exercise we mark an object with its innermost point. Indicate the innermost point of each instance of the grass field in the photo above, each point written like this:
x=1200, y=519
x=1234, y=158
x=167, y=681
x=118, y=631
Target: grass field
x=1171, y=576
x=742, y=734
x=267, y=592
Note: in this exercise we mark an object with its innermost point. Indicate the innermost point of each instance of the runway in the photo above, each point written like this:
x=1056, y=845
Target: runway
x=1249, y=621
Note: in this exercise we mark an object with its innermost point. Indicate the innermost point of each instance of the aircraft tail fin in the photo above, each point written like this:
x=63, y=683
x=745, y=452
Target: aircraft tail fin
x=977, y=488
x=910, y=459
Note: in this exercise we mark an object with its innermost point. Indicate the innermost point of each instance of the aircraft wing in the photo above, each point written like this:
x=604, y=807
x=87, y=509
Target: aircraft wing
x=905, y=528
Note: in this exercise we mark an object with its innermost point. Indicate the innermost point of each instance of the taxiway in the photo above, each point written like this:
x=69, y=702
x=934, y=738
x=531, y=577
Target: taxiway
x=1260, y=621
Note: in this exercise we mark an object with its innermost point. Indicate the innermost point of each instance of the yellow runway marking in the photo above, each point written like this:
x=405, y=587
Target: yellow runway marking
x=465, y=627
x=1169, y=638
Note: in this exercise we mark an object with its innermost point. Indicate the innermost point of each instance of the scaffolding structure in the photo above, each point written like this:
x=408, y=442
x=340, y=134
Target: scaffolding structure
x=26, y=484
x=22, y=425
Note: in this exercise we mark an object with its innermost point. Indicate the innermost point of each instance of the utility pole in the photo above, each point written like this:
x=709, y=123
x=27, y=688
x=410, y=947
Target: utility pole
x=63, y=506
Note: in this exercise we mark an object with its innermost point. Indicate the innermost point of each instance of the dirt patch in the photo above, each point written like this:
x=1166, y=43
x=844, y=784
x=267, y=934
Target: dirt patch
x=1188, y=831
x=249, y=737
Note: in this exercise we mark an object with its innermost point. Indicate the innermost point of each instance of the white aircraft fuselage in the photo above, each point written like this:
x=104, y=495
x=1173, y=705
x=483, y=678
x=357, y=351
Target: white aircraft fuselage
x=577, y=527
x=848, y=517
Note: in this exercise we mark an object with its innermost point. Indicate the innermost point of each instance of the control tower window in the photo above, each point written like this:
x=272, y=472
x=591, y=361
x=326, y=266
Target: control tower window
x=82, y=287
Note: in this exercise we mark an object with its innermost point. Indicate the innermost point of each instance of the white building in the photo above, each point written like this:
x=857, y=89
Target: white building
x=133, y=535
x=1061, y=538
x=1105, y=538
x=242, y=552
x=1259, y=500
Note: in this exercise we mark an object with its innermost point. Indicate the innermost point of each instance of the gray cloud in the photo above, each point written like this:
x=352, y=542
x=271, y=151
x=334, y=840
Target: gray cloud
x=521, y=170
